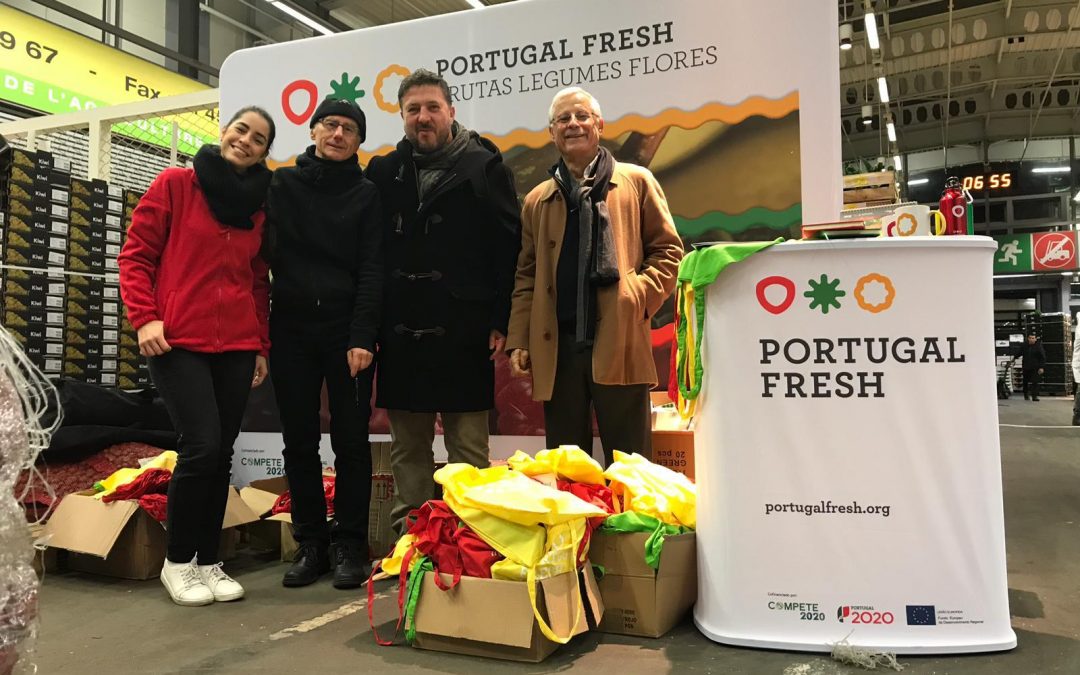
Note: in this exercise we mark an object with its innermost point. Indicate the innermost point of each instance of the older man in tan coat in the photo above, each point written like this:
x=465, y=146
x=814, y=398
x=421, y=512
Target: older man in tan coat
x=599, y=255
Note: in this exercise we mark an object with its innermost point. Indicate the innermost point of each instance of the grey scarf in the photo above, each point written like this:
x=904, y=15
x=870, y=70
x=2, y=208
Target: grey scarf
x=432, y=166
x=597, y=262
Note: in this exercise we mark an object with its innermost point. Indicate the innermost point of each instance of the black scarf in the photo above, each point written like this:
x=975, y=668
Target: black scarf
x=432, y=166
x=232, y=197
x=327, y=173
x=597, y=263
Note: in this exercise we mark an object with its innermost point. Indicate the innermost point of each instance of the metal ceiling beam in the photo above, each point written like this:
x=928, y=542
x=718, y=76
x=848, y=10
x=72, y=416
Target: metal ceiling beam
x=133, y=38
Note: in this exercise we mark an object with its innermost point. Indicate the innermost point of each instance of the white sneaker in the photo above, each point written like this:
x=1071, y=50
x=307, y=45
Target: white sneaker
x=185, y=584
x=221, y=585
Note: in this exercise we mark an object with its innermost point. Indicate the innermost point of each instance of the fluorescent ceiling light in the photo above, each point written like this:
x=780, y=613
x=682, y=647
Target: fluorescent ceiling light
x=890, y=128
x=896, y=162
x=476, y=4
x=918, y=181
x=871, y=31
x=302, y=18
x=845, y=36
x=1050, y=169
x=883, y=89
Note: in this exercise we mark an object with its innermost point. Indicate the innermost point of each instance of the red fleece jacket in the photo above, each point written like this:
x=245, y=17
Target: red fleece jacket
x=205, y=280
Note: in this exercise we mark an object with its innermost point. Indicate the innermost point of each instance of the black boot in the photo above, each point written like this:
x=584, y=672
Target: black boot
x=352, y=569
x=310, y=563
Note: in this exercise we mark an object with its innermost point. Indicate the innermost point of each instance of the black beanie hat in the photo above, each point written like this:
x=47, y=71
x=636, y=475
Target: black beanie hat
x=345, y=108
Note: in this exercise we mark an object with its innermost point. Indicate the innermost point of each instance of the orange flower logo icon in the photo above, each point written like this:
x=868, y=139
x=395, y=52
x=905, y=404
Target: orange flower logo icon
x=390, y=106
x=875, y=292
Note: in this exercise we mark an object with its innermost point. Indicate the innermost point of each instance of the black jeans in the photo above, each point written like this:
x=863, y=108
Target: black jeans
x=623, y=412
x=206, y=395
x=1032, y=380
x=304, y=355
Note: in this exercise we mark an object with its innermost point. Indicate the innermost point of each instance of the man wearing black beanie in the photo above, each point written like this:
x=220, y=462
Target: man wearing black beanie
x=324, y=246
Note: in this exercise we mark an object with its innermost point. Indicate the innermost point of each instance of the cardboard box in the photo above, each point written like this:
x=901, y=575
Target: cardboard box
x=276, y=532
x=675, y=450
x=120, y=539
x=494, y=618
x=639, y=600
x=672, y=439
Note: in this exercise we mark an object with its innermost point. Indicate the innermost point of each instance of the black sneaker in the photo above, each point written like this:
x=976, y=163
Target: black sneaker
x=351, y=565
x=310, y=563
x=1034, y=398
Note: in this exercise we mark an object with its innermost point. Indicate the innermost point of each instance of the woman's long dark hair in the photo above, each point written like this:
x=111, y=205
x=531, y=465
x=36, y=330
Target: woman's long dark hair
x=262, y=113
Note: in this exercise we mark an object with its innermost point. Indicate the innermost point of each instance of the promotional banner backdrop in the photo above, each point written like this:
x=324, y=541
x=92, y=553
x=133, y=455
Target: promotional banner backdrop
x=731, y=105
x=848, y=460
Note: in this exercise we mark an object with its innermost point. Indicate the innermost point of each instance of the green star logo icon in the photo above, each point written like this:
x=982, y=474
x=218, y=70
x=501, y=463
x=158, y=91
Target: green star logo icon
x=347, y=88
x=824, y=294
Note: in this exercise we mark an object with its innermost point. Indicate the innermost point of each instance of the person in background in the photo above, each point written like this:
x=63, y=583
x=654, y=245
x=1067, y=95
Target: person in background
x=599, y=255
x=1032, y=361
x=325, y=252
x=197, y=292
x=452, y=234
x=1076, y=374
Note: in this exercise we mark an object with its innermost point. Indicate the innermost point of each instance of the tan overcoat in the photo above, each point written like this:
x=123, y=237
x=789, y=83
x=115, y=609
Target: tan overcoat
x=648, y=250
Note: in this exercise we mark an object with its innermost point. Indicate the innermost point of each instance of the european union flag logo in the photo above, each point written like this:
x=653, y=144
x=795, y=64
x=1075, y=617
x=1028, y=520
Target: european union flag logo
x=921, y=615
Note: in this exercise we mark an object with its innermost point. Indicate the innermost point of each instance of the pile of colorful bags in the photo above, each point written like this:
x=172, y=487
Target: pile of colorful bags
x=531, y=519
x=148, y=484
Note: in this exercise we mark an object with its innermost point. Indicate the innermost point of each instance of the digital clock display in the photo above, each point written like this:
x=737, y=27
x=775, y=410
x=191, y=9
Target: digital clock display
x=992, y=181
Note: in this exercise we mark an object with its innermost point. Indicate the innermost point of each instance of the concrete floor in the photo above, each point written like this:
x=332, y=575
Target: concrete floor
x=92, y=624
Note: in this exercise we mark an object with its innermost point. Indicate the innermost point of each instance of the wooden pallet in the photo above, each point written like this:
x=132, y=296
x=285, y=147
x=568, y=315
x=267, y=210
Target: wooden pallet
x=871, y=189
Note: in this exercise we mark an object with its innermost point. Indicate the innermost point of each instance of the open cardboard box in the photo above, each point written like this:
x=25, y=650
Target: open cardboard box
x=120, y=539
x=638, y=599
x=494, y=619
x=672, y=437
x=276, y=531
x=272, y=531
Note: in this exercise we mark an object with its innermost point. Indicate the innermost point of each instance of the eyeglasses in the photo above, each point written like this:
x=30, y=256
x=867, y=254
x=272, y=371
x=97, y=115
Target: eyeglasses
x=333, y=125
x=581, y=117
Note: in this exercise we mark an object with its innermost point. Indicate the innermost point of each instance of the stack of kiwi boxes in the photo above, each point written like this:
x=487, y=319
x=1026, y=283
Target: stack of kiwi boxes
x=60, y=238
x=35, y=239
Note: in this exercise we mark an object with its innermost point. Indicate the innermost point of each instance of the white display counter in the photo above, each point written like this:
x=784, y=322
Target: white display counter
x=848, y=460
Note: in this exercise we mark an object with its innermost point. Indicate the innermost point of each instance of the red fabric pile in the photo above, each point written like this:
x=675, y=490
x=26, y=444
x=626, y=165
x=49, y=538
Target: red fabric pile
x=597, y=495
x=67, y=477
x=452, y=547
x=284, y=500
x=150, y=488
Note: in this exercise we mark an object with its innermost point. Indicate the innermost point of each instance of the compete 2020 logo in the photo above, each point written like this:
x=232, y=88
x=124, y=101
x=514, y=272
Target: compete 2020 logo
x=863, y=614
x=807, y=611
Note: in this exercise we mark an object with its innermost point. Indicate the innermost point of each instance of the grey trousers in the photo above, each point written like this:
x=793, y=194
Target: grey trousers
x=413, y=462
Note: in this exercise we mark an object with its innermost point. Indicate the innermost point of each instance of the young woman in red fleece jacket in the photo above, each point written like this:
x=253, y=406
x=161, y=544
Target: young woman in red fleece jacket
x=198, y=292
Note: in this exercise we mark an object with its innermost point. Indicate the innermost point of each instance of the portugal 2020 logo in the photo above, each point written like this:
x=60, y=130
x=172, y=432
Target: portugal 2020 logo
x=864, y=614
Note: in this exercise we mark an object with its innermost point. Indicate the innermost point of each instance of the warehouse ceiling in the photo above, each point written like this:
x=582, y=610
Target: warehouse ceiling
x=1011, y=71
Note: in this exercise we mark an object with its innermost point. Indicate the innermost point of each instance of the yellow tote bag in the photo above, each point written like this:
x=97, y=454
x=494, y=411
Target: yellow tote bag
x=166, y=460
x=567, y=462
x=639, y=485
x=536, y=527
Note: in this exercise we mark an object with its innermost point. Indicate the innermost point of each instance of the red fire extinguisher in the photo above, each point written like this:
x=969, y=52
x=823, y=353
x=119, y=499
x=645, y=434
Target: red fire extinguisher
x=954, y=207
